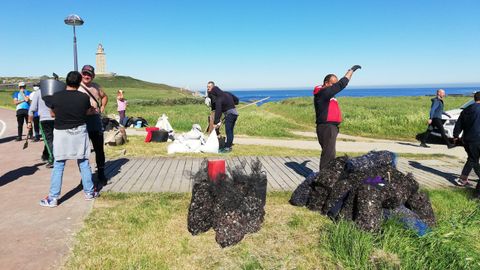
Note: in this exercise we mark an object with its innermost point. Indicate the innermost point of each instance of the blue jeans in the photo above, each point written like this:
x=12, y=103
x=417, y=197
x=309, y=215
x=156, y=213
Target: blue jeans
x=230, y=120
x=57, y=176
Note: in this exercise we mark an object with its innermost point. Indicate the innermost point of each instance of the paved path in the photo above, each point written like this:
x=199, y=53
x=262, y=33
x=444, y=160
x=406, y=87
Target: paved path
x=34, y=237
x=283, y=173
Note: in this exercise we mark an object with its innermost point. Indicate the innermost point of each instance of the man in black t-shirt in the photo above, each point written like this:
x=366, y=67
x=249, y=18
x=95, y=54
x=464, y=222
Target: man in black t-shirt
x=70, y=139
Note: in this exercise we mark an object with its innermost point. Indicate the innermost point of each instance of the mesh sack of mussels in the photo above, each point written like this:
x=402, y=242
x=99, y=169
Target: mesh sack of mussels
x=359, y=190
x=235, y=204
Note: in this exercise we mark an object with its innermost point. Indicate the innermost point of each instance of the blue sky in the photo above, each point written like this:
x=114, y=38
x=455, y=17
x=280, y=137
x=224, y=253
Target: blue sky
x=249, y=44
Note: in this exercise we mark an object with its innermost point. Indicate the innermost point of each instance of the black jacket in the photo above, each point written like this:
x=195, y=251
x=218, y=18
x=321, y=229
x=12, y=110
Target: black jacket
x=221, y=102
x=469, y=123
x=327, y=110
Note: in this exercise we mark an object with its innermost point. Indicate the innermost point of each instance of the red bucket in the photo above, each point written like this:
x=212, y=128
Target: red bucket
x=215, y=168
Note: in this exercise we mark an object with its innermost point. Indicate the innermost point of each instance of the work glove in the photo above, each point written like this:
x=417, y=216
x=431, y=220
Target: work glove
x=208, y=102
x=354, y=68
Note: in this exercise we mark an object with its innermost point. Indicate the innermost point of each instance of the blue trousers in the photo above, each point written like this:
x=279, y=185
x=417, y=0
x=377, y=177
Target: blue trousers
x=57, y=177
x=230, y=120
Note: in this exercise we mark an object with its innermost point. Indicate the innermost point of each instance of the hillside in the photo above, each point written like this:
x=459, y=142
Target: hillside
x=135, y=90
x=108, y=82
x=129, y=82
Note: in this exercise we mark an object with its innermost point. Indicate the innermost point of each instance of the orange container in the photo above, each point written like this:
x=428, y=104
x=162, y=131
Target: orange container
x=215, y=168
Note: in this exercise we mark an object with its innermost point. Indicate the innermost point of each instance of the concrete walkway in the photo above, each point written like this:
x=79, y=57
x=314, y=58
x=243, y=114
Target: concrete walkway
x=34, y=237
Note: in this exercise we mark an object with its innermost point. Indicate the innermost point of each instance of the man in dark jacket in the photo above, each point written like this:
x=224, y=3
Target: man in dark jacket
x=436, y=111
x=469, y=123
x=328, y=113
x=222, y=102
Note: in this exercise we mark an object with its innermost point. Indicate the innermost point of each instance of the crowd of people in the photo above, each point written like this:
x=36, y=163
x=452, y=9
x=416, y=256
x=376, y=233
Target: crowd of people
x=73, y=120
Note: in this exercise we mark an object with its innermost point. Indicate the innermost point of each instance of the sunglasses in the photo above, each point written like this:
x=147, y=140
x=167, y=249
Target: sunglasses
x=87, y=74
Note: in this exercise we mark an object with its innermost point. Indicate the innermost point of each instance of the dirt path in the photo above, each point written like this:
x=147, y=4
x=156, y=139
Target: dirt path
x=34, y=237
x=345, y=143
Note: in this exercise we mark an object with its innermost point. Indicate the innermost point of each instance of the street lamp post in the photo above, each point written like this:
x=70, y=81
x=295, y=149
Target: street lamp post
x=74, y=20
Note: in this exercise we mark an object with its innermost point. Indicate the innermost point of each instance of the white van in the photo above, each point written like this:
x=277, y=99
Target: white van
x=449, y=122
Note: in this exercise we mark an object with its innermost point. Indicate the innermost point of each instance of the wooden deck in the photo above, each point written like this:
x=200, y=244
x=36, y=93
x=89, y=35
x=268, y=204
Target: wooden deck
x=166, y=174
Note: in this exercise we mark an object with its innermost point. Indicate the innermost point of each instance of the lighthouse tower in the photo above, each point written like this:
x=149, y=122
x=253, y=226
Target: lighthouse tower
x=101, y=61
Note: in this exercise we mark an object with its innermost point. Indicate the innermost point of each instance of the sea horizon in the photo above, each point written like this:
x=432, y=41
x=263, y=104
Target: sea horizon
x=275, y=95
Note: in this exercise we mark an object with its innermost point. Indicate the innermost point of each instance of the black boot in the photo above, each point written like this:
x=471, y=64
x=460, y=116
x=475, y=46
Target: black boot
x=101, y=177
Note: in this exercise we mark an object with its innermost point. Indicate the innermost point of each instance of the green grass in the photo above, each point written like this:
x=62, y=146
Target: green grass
x=149, y=231
x=376, y=117
x=450, y=245
x=136, y=147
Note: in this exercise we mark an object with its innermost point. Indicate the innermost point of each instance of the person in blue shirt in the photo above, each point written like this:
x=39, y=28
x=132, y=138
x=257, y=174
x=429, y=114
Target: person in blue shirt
x=22, y=100
x=435, y=120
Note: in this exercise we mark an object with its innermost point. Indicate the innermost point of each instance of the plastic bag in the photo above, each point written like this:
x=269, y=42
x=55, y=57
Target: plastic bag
x=163, y=123
x=211, y=145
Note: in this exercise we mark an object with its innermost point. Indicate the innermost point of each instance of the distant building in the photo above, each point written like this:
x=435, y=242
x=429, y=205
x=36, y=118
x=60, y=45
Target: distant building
x=101, y=61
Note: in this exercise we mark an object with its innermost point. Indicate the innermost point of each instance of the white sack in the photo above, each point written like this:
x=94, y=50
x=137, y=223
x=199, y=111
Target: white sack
x=163, y=123
x=211, y=145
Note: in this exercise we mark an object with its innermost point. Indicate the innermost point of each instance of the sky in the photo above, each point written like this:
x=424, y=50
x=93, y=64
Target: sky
x=249, y=44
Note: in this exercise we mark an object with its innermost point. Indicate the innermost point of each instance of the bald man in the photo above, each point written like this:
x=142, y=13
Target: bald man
x=435, y=120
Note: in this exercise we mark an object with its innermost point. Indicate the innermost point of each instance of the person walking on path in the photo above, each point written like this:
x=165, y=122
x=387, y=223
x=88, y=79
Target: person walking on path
x=223, y=102
x=435, y=121
x=121, y=106
x=70, y=140
x=98, y=100
x=46, y=121
x=469, y=123
x=21, y=100
x=328, y=114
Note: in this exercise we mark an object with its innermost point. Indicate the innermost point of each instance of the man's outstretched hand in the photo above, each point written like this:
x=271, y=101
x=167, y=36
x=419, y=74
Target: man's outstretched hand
x=354, y=68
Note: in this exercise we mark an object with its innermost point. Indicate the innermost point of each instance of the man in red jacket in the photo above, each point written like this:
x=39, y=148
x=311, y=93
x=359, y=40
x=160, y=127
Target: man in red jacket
x=328, y=113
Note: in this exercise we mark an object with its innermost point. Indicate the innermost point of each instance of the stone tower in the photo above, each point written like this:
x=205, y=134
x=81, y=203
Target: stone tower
x=101, y=61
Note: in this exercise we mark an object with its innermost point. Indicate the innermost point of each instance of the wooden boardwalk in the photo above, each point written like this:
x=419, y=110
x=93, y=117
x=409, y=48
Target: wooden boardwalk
x=164, y=174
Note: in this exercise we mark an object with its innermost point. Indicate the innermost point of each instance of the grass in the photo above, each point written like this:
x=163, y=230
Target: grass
x=450, y=245
x=375, y=117
x=136, y=147
x=149, y=231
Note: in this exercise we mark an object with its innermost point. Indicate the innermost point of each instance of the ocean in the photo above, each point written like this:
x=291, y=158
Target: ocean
x=278, y=95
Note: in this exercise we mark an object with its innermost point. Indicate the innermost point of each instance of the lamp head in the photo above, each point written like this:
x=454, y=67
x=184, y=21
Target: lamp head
x=73, y=20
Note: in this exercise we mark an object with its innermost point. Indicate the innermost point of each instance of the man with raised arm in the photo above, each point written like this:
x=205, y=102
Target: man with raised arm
x=328, y=114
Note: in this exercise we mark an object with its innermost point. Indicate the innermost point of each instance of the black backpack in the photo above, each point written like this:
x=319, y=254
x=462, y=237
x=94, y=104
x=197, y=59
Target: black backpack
x=235, y=98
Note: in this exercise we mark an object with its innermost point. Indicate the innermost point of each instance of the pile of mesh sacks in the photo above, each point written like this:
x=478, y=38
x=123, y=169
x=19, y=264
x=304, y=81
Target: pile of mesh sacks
x=232, y=206
x=367, y=190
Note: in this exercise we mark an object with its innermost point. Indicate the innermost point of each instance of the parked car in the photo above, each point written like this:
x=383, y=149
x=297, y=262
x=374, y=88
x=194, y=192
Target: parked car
x=449, y=122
